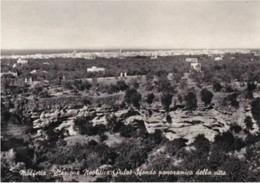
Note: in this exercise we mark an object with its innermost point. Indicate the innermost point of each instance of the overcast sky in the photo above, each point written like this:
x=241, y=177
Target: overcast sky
x=133, y=24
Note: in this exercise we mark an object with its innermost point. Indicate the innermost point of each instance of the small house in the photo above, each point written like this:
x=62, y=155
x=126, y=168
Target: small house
x=192, y=60
x=20, y=61
x=96, y=69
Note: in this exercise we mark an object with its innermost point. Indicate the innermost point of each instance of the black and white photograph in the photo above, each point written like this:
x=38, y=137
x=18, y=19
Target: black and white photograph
x=130, y=91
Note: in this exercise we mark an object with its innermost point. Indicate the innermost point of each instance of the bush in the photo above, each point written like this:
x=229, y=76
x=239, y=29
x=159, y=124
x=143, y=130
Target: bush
x=191, y=101
x=251, y=86
x=168, y=118
x=202, y=145
x=131, y=154
x=174, y=146
x=231, y=100
x=206, y=96
x=150, y=98
x=225, y=141
x=166, y=100
x=255, y=109
x=249, y=123
x=85, y=127
x=217, y=86
x=236, y=128
x=121, y=85
x=133, y=97
x=164, y=85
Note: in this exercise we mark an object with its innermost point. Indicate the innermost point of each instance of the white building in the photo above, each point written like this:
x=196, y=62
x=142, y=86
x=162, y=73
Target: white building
x=218, y=58
x=196, y=66
x=96, y=69
x=123, y=74
x=20, y=61
x=90, y=57
x=170, y=76
x=28, y=80
x=192, y=60
x=154, y=56
x=33, y=71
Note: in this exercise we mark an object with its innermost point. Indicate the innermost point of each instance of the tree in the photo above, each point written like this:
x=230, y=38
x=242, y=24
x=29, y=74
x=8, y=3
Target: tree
x=163, y=85
x=225, y=141
x=206, y=96
x=249, y=123
x=131, y=154
x=150, y=98
x=191, y=101
x=251, y=86
x=168, y=118
x=133, y=97
x=202, y=146
x=255, y=109
x=83, y=126
x=217, y=86
x=136, y=97
x=166, y=100
x=121, y=85
x=231, y=100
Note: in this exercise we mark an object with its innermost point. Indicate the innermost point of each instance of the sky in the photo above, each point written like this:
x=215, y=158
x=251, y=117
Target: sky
x=129, y=24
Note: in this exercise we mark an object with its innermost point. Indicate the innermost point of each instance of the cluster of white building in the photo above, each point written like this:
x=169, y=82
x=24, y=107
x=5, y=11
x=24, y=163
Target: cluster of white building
x=195, y=65
x=121, y=55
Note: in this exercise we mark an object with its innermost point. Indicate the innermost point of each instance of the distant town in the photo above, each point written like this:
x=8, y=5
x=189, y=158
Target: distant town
x=122, y=54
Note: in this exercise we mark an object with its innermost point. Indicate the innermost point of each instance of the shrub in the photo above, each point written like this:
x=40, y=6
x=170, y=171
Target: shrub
x=131, y=154
x=236, y=128
x=150, y=98
x=174, y=146
x=121, y=85
x=206, y=96
x=166, y=100
x=217, y=86
x=168, y=118
x=231, y=100
x=133, y=97
x=191, y=101
x=255, y=109
x=249, y=123
x=225, y=141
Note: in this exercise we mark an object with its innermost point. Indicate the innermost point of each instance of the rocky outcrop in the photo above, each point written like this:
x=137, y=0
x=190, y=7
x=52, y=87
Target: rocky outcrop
x=182, y=124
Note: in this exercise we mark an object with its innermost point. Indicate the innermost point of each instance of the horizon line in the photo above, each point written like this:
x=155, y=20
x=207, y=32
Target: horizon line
x=122, y=48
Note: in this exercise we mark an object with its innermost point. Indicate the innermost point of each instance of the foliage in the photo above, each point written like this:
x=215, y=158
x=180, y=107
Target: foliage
x=255, y=109
x=166, y=100
x=133, y=97
x=131, y=154
x=231, y=100
x=217, y=86
x=191, y=101
x=85, y=127
x=249, y=123
x=172, y=147
x=206, y=96
x=150, y=98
